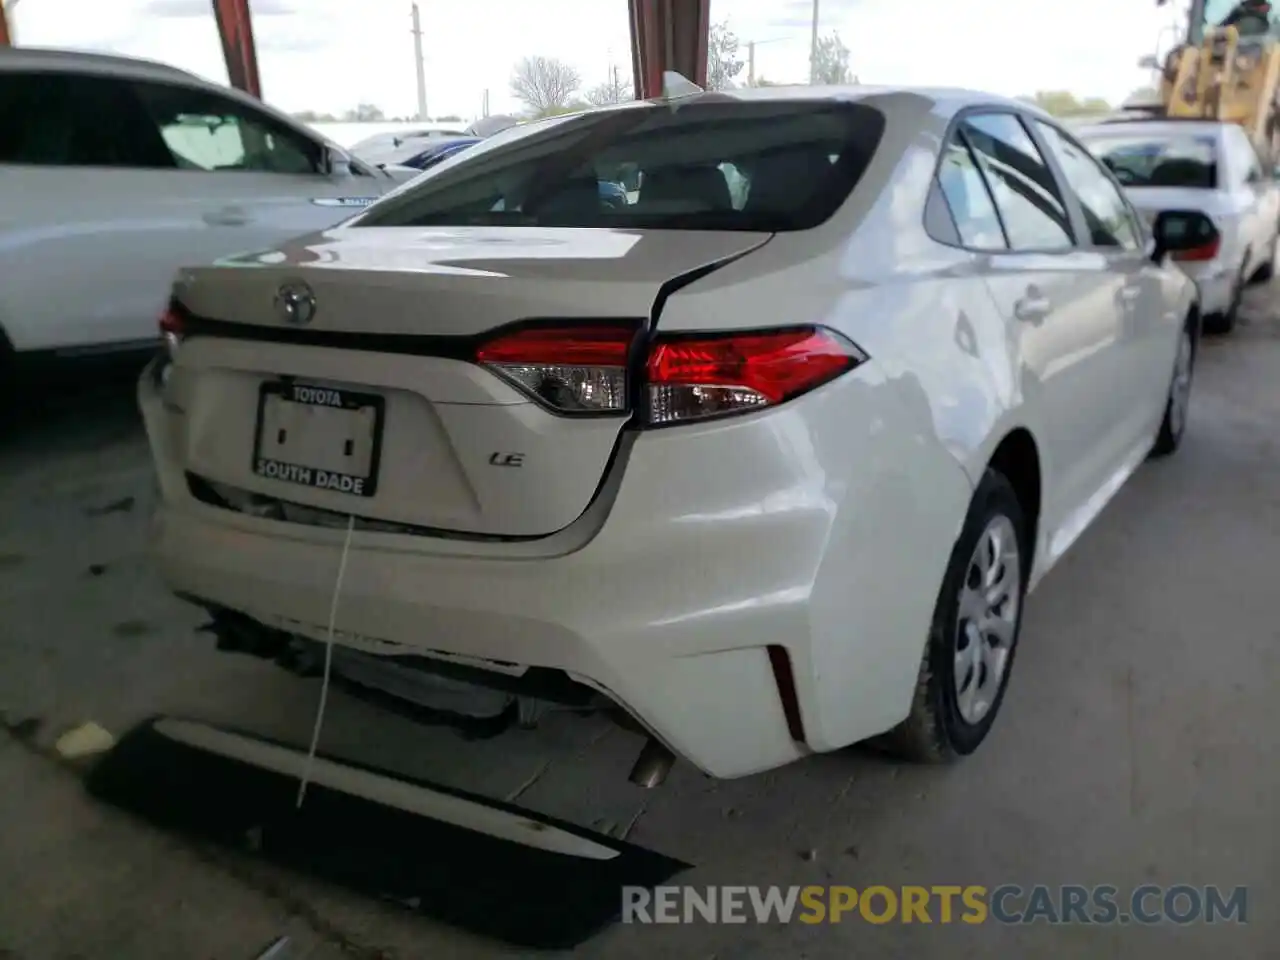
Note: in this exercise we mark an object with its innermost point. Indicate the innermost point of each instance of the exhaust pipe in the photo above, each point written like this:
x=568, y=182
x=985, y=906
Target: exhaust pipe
x=652, y=766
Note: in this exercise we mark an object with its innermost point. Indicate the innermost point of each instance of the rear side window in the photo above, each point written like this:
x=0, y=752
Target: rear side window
x=1141, y=160
x=765, y=166
x=972, y=208
x=1034, y=216
x=52, y=119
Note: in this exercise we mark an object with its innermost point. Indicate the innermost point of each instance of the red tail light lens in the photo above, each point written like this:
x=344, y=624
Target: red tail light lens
x=693, y=378
x=1200, y=254
x=171, y=330
x=572, y=370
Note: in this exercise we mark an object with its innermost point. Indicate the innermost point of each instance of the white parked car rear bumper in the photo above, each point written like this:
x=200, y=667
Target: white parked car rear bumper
x=1216, y=283
x=822, y=528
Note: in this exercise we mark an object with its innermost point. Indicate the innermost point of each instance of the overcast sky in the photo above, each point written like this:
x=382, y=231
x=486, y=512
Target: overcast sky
x=329, y=55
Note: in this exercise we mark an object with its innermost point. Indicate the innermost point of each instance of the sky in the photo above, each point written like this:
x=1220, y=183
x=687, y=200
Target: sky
x=330, y=55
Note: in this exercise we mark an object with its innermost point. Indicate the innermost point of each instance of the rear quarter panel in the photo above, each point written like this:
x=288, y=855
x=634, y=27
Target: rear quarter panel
x=940, y=391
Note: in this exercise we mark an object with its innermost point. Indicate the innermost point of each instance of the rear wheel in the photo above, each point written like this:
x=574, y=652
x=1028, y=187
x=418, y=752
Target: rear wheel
x=1174, y=424
x=969, y=654
x=1267, y=269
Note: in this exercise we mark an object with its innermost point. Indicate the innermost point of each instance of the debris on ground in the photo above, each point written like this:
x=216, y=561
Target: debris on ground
x=85, y=740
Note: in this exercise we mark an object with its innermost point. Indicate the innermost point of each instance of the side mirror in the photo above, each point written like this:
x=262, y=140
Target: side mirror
x=1149, y=62
x=337, y=163
x=1184, y=235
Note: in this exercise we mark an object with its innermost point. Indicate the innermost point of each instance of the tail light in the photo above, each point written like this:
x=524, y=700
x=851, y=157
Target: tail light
x=1200, y=254
x=171, y=330
x=572, y=370
x=583, y=370
x=694, y=378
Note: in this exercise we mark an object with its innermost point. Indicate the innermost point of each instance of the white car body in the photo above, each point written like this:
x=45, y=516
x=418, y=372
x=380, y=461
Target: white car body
x=90, y=250
x=1244, y=202
x=665, y=567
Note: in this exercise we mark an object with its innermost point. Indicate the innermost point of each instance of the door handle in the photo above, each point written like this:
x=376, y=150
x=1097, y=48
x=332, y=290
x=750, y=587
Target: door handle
x=226, y=217
x=1129, y=294
x=1032, y=308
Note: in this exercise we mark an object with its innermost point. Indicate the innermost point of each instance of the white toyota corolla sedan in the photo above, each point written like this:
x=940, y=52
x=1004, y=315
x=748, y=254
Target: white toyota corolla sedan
x=766, y=471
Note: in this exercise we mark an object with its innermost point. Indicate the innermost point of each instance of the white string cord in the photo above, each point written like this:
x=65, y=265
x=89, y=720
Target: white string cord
x=328, y=664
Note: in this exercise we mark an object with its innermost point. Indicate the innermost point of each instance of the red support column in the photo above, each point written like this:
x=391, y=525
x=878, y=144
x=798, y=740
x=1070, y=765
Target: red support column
x=668, y=35
x=235, y=28
x=6, y=40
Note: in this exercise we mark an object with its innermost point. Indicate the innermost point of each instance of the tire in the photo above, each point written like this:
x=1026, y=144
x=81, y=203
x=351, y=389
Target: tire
x=1267, y=270
x=947, y=720
x=1174, y=424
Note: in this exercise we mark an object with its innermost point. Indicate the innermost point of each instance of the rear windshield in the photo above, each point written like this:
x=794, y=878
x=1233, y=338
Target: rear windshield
x=1159, y=161
x=709, y=165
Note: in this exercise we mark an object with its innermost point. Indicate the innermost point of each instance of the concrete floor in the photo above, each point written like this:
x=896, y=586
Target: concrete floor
x=1138, y=743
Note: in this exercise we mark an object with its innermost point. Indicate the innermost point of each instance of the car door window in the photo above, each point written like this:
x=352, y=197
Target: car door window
x=968, y=198
x=57, y=119
x=205, y=131
x=1030, y=205
x=1108, y=216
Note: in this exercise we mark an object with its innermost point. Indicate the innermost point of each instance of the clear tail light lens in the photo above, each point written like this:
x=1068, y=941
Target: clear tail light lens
x=571, y=370
x=699, y=377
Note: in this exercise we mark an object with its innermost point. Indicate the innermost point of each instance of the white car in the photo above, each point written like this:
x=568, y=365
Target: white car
x=1207, y=166
x=769, y=476
x=116, y=172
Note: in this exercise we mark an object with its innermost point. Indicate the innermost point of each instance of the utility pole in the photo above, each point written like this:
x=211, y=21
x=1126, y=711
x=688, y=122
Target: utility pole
x=417, y=60
x=813, y=46
x=484, y=104
x=751, y=63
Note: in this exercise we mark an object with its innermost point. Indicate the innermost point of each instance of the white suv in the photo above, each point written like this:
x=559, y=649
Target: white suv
x=114, y=172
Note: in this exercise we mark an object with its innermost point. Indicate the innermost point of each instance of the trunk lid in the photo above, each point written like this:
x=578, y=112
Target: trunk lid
x=373, y=406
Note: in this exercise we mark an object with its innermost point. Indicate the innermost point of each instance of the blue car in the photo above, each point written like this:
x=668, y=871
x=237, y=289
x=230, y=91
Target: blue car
x=432, y=153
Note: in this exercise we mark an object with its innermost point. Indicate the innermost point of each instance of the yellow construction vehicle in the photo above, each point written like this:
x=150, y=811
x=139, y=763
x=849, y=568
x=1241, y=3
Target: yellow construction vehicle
x=1227, y=67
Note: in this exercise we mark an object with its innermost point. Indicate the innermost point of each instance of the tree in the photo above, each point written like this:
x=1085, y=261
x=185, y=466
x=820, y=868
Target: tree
x=450, y=118
x=310, y=116
x=1142, y=97
x=613, y=90
x=364, y=113
x=723, y=64
x=544, y=84
x=1063, y=103
x=831, y=61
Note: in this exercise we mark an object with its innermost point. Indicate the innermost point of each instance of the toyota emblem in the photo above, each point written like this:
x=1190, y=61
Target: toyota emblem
x=295, y=303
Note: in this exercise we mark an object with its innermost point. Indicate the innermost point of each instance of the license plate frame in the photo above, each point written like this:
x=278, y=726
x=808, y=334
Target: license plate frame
x=308, y=394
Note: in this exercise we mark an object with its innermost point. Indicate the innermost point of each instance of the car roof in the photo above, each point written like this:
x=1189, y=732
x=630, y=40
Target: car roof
x=133, y=68
x=944, y=101
x=1159, y=127
x=83, y=61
